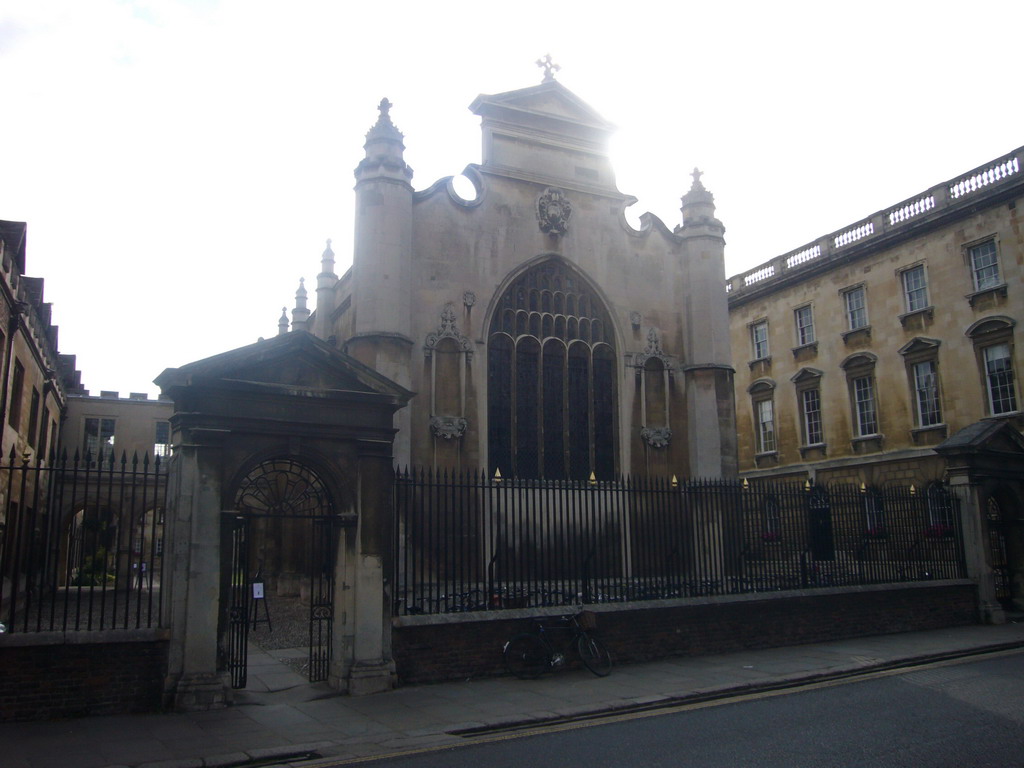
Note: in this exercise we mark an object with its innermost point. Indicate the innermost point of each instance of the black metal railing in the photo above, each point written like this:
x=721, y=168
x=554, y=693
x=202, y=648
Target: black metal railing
x=81, y=542
x=468, y=542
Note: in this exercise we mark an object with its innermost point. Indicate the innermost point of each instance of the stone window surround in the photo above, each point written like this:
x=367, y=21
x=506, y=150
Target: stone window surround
x=926, y=309
x=760, y=348
x=857, y=366
x=921, y=350
x=805, y=334
x=760, y=391
x=967, y=251
x=988, y=332
x=844, y=293
x=807, y=379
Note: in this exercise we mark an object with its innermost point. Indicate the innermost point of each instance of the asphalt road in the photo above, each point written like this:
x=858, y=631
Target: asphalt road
x=963, y=714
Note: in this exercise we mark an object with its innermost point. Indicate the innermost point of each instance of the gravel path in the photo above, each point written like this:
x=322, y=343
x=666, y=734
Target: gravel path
x=289, y=618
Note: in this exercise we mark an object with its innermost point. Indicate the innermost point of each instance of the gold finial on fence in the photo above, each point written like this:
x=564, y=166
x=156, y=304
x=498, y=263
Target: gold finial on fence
x=913, y=490
x=593, y=478
x=497, y=475
x=746, y=485
x=675, y=481
x=863, y=488
x=807, y=485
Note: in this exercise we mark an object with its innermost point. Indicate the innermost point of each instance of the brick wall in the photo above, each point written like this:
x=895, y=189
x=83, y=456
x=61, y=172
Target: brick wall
x=69, y=680
x=428, y=649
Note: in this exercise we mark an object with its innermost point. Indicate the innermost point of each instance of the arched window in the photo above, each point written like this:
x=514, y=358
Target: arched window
x=552, y=398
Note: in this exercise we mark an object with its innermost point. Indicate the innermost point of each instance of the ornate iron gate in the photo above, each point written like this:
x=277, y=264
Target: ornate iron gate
x=291, y=493
x=321, y=597
x=998, y=560
x=819, y=524
x=238, y=607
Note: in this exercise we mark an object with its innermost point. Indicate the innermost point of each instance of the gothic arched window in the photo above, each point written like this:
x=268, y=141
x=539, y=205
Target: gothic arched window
x=551, y=391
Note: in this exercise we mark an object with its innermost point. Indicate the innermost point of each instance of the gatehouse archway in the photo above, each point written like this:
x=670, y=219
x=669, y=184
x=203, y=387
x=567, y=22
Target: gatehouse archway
x=281, y=542
x=282, y=467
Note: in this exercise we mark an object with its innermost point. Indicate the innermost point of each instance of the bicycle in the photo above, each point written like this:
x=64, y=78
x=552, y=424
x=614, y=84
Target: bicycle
x=531, y=654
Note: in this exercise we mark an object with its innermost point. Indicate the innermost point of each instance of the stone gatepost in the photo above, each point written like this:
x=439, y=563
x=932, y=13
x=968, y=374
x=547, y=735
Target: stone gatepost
x=193, y=580
x=297, y=400
x=981, y=458
x=975, y=544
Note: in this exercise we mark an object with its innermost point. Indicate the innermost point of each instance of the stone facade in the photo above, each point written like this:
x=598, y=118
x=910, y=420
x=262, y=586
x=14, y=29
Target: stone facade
x=33, y=397
x=34, y=393
x=892, y=322
x=885, y=354
x=134, y=425
x=544, y=337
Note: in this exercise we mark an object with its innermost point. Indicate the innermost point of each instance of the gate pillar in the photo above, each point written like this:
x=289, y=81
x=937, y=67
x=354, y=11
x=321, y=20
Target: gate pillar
x=979, y=459
x=193, y=571
x=976, y=545
x=368, y=667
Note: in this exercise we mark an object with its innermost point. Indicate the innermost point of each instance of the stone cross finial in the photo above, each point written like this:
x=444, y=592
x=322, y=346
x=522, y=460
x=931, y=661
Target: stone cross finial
x=549, y=68
x=385, y=107
x=696, y=176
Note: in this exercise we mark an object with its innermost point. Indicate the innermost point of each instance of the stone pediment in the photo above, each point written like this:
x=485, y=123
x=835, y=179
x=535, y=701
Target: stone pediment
x=546, y=134
x=919, y=345
x=549, y=100
x=296, y=360
x=806, y=374
x=986, y=436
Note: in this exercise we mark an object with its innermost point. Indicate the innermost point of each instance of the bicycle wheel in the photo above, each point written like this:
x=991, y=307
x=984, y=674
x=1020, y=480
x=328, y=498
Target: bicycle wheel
x=594, y=655
x=527, y=656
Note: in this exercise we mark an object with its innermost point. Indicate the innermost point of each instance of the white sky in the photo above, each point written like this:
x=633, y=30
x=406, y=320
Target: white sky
x=180, y=163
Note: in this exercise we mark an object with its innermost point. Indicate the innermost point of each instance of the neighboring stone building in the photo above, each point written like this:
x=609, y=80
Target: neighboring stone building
x=109, y=424
x=872, y=354
x=33, y=397
x=543, y=335
x=858, y=353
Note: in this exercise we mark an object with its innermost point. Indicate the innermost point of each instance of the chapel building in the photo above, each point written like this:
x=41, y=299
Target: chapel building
x=544, y=337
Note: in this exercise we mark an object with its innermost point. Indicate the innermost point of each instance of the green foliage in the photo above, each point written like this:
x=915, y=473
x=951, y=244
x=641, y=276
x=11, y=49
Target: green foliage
x=94, y=571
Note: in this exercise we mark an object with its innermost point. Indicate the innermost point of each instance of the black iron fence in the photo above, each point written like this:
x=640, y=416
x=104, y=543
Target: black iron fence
x=468, y=542
x=81, y=543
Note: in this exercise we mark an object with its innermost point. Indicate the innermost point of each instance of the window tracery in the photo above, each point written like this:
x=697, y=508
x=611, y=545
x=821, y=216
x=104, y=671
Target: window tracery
x=552, y=395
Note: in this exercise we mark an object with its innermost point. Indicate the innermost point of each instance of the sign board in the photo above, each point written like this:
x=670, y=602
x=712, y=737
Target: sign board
x=257, y=590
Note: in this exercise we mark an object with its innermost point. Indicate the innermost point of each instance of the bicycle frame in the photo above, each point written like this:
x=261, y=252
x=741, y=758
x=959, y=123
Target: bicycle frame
x=529, y=654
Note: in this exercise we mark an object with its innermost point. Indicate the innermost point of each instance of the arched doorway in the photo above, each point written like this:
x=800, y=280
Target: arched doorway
x=280, y=543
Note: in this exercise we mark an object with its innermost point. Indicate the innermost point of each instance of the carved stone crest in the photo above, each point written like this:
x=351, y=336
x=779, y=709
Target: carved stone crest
x=469, y=299
x=656, y=437
x=653, y=349
x=635, y=318
x=553, y=211
x=448, y=330
x=448, y=427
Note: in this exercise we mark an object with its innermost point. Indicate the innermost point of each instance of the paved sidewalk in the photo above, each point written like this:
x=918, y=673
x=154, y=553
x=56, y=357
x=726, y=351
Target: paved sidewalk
x=280, y=715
